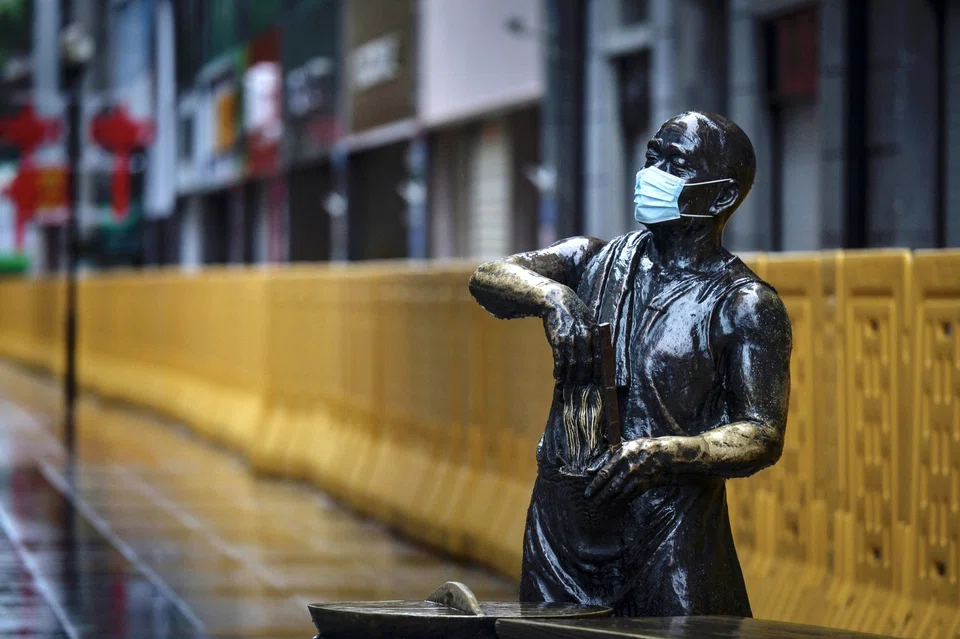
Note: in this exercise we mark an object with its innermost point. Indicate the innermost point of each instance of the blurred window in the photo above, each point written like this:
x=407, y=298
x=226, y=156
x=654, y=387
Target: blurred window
x=260, y=15
x=222, y=27
x=185, y=145
x=796, y=70
x=188, y=21
x=793, y=84
x=489, y=193
x=16, y=16
x=633, y=12
x=633, y=78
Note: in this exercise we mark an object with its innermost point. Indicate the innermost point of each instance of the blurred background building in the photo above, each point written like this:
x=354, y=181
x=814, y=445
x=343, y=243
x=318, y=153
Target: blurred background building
x=313, y=130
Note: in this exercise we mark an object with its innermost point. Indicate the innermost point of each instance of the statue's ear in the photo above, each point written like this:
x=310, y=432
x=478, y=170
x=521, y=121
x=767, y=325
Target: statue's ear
x=726, y=198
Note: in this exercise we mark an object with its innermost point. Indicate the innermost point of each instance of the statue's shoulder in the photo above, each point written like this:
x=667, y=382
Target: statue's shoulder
x=636, y=237
x=738, y=271
x=750, y=301
x=620, y=248
x=629, y=242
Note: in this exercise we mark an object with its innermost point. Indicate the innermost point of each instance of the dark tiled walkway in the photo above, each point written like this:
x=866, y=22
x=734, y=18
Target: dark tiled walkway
x=155, y=534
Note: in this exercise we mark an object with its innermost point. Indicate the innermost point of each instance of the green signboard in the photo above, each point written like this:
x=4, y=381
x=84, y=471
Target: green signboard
x=312, y=78
x=16, y=28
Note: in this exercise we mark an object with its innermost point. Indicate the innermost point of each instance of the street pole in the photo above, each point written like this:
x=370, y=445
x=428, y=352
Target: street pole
x=77, y=48
x=73, y=84
x=562, y=126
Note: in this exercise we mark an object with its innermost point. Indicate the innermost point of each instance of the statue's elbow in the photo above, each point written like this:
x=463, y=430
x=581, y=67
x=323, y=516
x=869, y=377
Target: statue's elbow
x=484, y=288
x=772, y=448
x=479, y=282
x=479, y=277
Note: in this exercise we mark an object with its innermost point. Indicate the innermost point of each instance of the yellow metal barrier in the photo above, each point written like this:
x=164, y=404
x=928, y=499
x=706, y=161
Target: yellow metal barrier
x=387, y=385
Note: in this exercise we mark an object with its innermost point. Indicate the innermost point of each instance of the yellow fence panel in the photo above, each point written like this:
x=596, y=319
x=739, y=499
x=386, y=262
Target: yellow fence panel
x=389, y=386
x=935, y=512
x=794, y=480
x=876, y=319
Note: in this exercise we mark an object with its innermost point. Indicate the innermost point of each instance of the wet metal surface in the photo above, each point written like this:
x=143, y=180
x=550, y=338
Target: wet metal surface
x=153, y=533
x=433, y=620
x=700, y=381
x=695, y=627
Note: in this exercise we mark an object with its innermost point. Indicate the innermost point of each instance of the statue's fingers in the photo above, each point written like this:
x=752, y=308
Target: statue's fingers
x=613, y=469
x=633, y=489
x=613, y=487
x=603, y=475
x=600, y=461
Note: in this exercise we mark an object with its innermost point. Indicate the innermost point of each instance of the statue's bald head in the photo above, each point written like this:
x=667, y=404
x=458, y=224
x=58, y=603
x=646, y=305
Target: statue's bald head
x=715, y=148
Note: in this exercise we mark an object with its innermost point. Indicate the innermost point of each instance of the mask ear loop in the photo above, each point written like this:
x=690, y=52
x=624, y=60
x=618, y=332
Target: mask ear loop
x=709, y=217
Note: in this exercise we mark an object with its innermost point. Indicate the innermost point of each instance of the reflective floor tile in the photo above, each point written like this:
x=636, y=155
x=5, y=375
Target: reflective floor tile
x=208, y=549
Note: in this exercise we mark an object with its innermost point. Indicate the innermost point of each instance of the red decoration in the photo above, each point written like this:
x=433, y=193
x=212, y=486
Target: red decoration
x=121, y=135
x=798, y=65
x=22, y=191
x=27, y=131
x=263, y=97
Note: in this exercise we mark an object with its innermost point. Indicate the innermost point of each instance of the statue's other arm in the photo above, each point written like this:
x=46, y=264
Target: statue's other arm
x=752, y=336
x=755, y=339
x=523, y=285
x=543, y=284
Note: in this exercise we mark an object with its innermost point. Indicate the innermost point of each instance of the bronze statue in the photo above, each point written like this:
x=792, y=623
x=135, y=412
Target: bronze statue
x=701, y=352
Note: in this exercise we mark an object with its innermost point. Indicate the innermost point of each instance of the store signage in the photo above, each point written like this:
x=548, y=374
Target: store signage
x=380, y=63
x=376, y=62
x=309, y=87
x=263, y=105
x=225, y=117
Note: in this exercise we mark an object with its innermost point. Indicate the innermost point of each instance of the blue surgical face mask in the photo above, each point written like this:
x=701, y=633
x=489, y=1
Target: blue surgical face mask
x=657, y=196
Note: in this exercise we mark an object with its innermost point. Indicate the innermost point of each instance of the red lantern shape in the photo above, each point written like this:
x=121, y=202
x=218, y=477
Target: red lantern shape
x=121, y=135
x=27, y=131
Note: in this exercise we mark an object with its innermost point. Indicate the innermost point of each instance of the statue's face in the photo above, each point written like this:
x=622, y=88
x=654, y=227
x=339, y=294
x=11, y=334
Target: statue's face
x=686, y=146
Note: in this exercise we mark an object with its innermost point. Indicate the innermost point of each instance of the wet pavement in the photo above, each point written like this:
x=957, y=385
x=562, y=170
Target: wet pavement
x=153, y=533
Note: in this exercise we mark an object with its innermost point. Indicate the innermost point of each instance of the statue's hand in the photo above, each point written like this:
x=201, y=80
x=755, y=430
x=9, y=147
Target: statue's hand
x=631, y=470
x=570, y=330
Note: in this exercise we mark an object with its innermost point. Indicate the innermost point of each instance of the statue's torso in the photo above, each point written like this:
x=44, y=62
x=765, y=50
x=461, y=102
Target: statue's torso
x=670, y=378
x=670, y=374
x=675, y=381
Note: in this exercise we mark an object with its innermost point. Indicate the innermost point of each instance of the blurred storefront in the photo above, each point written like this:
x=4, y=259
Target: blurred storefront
x=161, y=241
x=312, y=130
x=833, y=104
x=479, y=97
x=646, y=60
x=37, y=68
x=831, y=93
x=381, y=68
x=117, y=235
x=263, y=128
x=13, y=259
x=312, y=107
x=221, y=162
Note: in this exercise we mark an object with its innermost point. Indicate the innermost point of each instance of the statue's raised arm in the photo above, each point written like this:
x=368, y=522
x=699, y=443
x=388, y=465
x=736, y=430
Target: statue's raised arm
x=543, y=284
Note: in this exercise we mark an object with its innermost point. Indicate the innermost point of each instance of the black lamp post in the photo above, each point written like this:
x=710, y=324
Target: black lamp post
x=77, y=49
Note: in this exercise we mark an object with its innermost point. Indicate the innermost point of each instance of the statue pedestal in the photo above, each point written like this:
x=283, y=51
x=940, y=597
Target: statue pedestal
x=667, y=628
x=452, y=612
